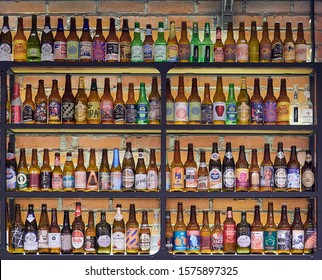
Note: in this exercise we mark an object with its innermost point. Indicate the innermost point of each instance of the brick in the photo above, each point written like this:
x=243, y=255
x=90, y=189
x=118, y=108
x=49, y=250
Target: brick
x=236, y=204
x=121, y=7
x=282, y=19
x=100, y=142
x=38, y=142
x=277, y=7
x=144, y=141
x=87, y=203
x=171, y=7
x=317, y=8
x=69, y=7
x=197, y=140
x=51, y=203
x=302, y=7
x=209, y=7
x=23, y=7
x=301, y=142
x=248, y=141
x=140, y=204
x=143, y=20
x=290, y=202
x=201, y=203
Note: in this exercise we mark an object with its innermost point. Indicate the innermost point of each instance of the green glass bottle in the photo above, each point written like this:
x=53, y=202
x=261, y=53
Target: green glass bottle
x=137, y=45
x=160, y=46
x=142, y=106
x=231, y=106
x=207, y=54
x=195, y=45
x=243, y=232
x=103, y=235
x=33, y=45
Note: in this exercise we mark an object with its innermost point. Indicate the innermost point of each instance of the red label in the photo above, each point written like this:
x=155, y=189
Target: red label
x=205, y=242
x=77, y=239
x=230, y=233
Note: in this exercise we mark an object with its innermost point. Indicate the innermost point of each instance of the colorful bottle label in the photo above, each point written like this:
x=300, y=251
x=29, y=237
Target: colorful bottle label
x=54, y=240
x=103, y=241
x=310, y=239
x=265, y=52
x=229, y=178
x=177, y=178
x=22, y=180
x=243, y=113
x=119, y=112
x=184, y=52
x=154, y=110
x=60, y=50
x=193, y=240
x=140, y=181
x=242, y=179
x=136, y=53
x=289, y=52
x=15, y=113
x=89, y=243
x=34, y=181
x=205, y=242
x=54, y=111
x=125, y=50
x=267, y=176
x=106, y=110
x=181, y=112
x=215, y=179
x=68, y=111
x=254, y=179
x=132, y=238
x=206, y=113
x=11, y=177
x=277, y=52
x=152, y=180
x=231, y=116
x=300, y=53
x=148, y=52
x=144, y=242
x=170, y=111
x=194, y=111
x=112, y=51
x=72, y=50
x=217, y=241
x=283, y=111
x=219, y=111
x=169, y=243
x=230, y=52
x=308, y=179
x=5, y=52
x=118, y=240
x=28, y=114
x=142, y=113
x=68, y=182
x=242, y=53
x=104, y=180
x=293, y=178
x=99, y=50
x=66, y=242
x=257, y=240
x=160, y=53
x=297, y=239
x=269, y=112
x=172, y=53
x=85, y=50
x=270, y=238
x=283, y=239
x=80, y=180
x=179, y=240
x=41, y=112
x=219, y=54
x=45, y=180
x=20, y=50
x=77, y=239
x=80, y=111
x=57, y=181
x=116, y=181
x=256, y=112
x=93, y=111
x=229, y=233
x=280, y=177
x=131, y=113
x=191, y=178
x=128, y=178
x=203, y=182
x=43, y=239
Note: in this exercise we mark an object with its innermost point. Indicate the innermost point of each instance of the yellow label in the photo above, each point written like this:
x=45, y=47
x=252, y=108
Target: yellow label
x=289, y=52
x=20, y=50
x=177, y=176
x=93, y=112
x=283, y=111
x=173, y=53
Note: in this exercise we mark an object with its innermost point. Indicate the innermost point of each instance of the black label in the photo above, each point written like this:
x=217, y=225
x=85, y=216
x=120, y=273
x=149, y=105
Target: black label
x=45, y=180
x=207, y=54
x=277, y=51
x=68, y=111
x=131, y=113
x=119, y=112
x=295, y=114
x=206, y=113
x=28, y=114
x=195, y=53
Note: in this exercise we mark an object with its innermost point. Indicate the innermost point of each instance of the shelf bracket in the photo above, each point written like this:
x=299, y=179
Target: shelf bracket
x=227, y=12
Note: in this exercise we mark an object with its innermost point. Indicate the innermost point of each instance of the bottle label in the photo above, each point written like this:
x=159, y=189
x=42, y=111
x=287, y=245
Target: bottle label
x=85, y=48
x=119, y=113
x=118, y=240
x=34, y=181
x=243, y=113
x=277, y=52
x=257, y=240
x=194, y=111
x=283, y=111
x=217, y=241
x=68, y=111
x=125, y=50
x=22, y=180
x=54, y=240
x=15, y=114
x=203, y=183
x=242, y=53
x=243, y=241
x=89, y=243
x=128, y=178
x=172, y=53
x=116, y=181
x=155, y=110
x=184, y=52
x=254, y=53
x=136, y=53
x=193, y=240
x=297, y=239
x=99, y=50
x=254, y=179
x=300, y=53
x=265, y=52
x=104, y=180
x=283, y=239
x=60, y=50
x=144, y=242
x=219, y=54
x=54, y=113
x=206, y=113
x=104, y=241
x=169, y=243
x=57, y=181
x=170, y=111
x=152, y=180
x=289, y=52
x=160, y=53
x=281, y=178
x=229, y=233
x=33, y=52
x=27, y=114
x=20, y=50
x=17, y=237
x=256, y=112
x=148, y=52
x=140, y=181
x=269, y=111
x=142, y=112
x=5, y=52
x=168, y=180
x=41, y=112
x=43, y=238
x=68, y=182
x=242, y=179
x=45, y=180
x=72, y=50
x=194, y=53
x=66, y=242
x=307, y=116
x=219, y=111
x=112, y=51
x=92, y=181
x=181, y=112
x=229, y=178
x=215, y=179
x=205, y=242
x=93, y=113
x=293, y=178
x=30, y=242
x=191, y=177
x=80, y=112
x=310, y=239
x=80, y=180
x=308, y=179
x=270, y=238
x=11, y=177
x=131, y=113
x=180, y=240
x=132, y=238
x=231, y=117
x=177, y=176
x=230, y=52
x=77, y=239
x=106, y=110
x=267, y=176
x=308, y=158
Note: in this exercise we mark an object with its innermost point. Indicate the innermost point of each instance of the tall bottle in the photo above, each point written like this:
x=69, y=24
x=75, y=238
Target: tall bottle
x=16, y=105
x=230, y=237
x=306, y=108
x=131, y=108
x=85, y=43
x=215, y=174
x=256, y=105
x=66, y=235
x=228, y=170
x=160, y=46
x=116, y=172
x=270, y=103
x=20, y=43
x=78, y=231
x=28, y=107
x=103, y=235
x=17, y=232
x=68, y=103
x=93, y=105
x=181, y=104
x=194, y=104
x=284, y=233
x=206, y=106
x=193, y=233
x=92, y=173
x=217, y=235
x=177, y=170
x=140, y=173
x=190, y=167
x=283, y=105
x=30, y=238
x=118, y=235
x=307, y=173
x=310, y=232
x=90, y=235
x=205, y=235
x=277, y=46
x=270, y=232
x=219, y=103
x=170, y=105
x=203, y=174
x=179, y=232
x=152, y=173
x=219, y=53
x=137, y=45
x=72, y=44
x=34, y=172
x=231, y=106
x=265, y=45
x=280, y=169
x=60, y=44
x=289, y=44
x=57, y=175
x=132, y=232
x=267, y=171
x=43, y=230
x=172, y=44
x=11, y=168
x=107, y=104
x=5, y=41
x=33, y=44
x=253, y=44
x=242, y=45
x=69, y=174
x=119, y=106
x=184, y=44
x=54, y=104
x=41, y=104
x=46, y=173
x=168, y=232
x=295, y=107
x=54, y=237
x=297, y=233
x=243, y=235
x=112, y=44
x=300, y=44
x=125, y=42
x=207, y=45
x=148, y=44
x=81, y=103
x=154, y=103
x=254, y=173
x=257, y=233
x=104, y=173
x=243, y=104
x=98, y=43
x=230, y=44
x=22, y=172
x=144, y=234
x=142, y=105
x=293, y=172
x=242, y=173
x=155, y=232
x=195, y=44
x=128, y=169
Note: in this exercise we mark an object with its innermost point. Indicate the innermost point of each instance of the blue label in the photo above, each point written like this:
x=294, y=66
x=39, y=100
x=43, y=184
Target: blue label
x=256, y=112
x=206, y=113
x=180, y=240
x=148, y=51
x=68, y=182
x=270, y=111
x=142, y=112
x=193, y=240
x=231, y=112
x=270, y=238
x=293, y=178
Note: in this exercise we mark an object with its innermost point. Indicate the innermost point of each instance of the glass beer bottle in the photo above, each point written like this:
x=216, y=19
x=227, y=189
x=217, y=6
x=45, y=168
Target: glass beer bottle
x=30, y=238
x=132, y=232
x=229, y=233
x=284, y=234
x=103, y=235
x=93, y=105
x=118, y=235
x=190, y=167
x=242, y=173
x=205, y=235
x=257, y=233
x=181, y=104
x=193, y=233
x=131, y=108
x=219, y=103
x=78, y=231
x=128, y=169
x=297, y=233
x=267, y=171
x=177, y=170
x=80, y=172
x=104, y=173
x=92, y=173
x=144, y=234
x=243, y=235
x=90, y=235
x=180, y=233
x=54, y=236
x=254, y=173
x=280, y=169
x=217, y=235
x=107, y=104
x=270, y=232
x=283, y=106
x=43, y=230
x=66, y=235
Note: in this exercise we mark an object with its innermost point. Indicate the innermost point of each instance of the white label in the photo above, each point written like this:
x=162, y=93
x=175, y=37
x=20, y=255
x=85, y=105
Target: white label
x=191, y=177
x=80, y=180
x=137, y=53
x=47, y=53
x=85, y=50
x=202, y=182
x=243, y=241
x=30, y=218
x=215, y=179
x=144, y=242
x=152, y=180
x=5, y=52
x=118, y=240
x=307, y=116
x=140, y=181
x=300, y=53
x=160, y=53
x=42, y=238
x=229, y=178
x=298, y=239
x=116, y=181
x=54, y=240
x=181, y=112
x=30, y=242
x=104, y=241
x=219, y=111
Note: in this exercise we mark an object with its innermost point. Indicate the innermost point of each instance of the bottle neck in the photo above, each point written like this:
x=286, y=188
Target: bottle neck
x=119, y=93
x=53, y=217
x=57, y=160
x=112, y=26
x=217, y=219
x=190, y=156
x=180, y=214
x=46, y=157
x=78, y=212
x=34, y=158
x=172, y=33
x=270, y=215
x=66, y=220
x=98, y=26
x=132, y=213
x=152, y=157
x=92, y=159
x=257, y=215
x=193, y=218
x=116, y=160
x=17, y=214
x=91, y=219
x=229, y=214
x=177, y=157
x=254, y=157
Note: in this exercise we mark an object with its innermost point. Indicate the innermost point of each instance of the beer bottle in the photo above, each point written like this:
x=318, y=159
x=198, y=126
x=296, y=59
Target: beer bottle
x=267, y=171
x=11, y=168
x=57, y=175
x=107, y=104
x=203, y=174
x=148, y=44
x=283, y=105
x=230, y=44
x=90, y=235
x=217, y=235
x=242, y=175
x=215, y=175
x=190, y=170
x=306, y=108
x=45, y=172
x=128, y=168
x=160, y=46
x=219, y=103
x=284, y=234
x=118, y=235
x=54, y=105
x=103, y=235
x=47, y=42
x=80, y=172
x=243, y=104
x=40, y=104
x=154, y=103
x=81, y=103
x=228, y=170
x=144, y=234
x=28, y=107
x=195, y=44
x=242, y=45
x=254, y=173
x=116, y=172
x=152, y=173
x=5, y=41
x=181, y=104
x=229, y=233
x=206, y=106
x=112, y=44
x=184, y=44
x=140, y=173
x=20, y=43
x=17, y=232
x=167, y=175
x=289, y=45
x=265, y=45
x=295, y=107
x=231, y=106
x=131, y=108
x=16, y=105
x=256, y=105
x=309, y=232
x=92, y=173
x=180, y=233
x=60, y=44
x=43, y=230
x=119, y=106
x=93, y=105
x=194, y=104
x=98, y=44
x=125, y=42
x=142, y=105
x=168, y=232
x=34, y=172
x=33, y=44
x=297, y=233
x=155, y=233
x=137, y=45
x=257, y=233
x=73, y=45
x=270, y=232
x=177, y=170
x=22, y=172
x=243, y=235
x=270, y=104
x=172, y=44
x=277, y=46
x=69, y=174
x=280, y=169
x=104, y=173
x=205, y=235
x=293, y=172
x=253, y=44
x=132, y=232
x=170, y=105
x=85, y=43
x=66, y=235
x=300, y=44
x=307, y=173
x=207, y=54
x=68, y=103
x=54, y=237
x=30, y=238
x=193, y=233
x=78, y=231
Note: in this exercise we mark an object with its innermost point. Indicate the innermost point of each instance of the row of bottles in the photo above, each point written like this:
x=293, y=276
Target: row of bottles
x=244, y=110
x=80, y=109
x=125, y=49
x=125, y=177
x=241, y=238
x=228, y=176
x=102, y=238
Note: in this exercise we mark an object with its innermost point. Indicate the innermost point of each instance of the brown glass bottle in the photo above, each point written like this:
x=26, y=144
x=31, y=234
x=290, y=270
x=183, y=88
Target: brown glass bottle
x=43, y=230
x=40, y=104
x=228, y=170
x=69, y=174
x=154, y=103
x=85, y=43
x=34, y=172
x=267, y=171
x=242, y=45
x=257, y=234
x=103, y=235
x=242, y=175
x=308, y=173
x=93, y=105
x=54, y=105
x=128, y=169
x=243, y=104
x=283, y=106
x=112, y=44
x=293, y=172
x=184, y=45
x=78, y=231
x=80, y=172
x=20, y=43
x=169, y=103
x=131, y=110
x=289, y=44
x=277, y=46
x=107, y=104
x=229, y=233
x=270, y=232
x=118, y=236
x=254, y=173
x=6, y=41
x=30, y=240
x=193, y=233
x=140, y=172
x=45, y=173
x=217, y=235
x=219, y=53
x=280, y=169
x=300, y=44
x=60, y=44
x=194, y=104
x=270, y=102
x=17, y=232
x=172, y=44
x=310, y=238
x=215, y=175
x=90, y=235
x=177, y=170
x=119, y=106
x=104, y=173
x=168, y=232
x=57, y=175
x=81, y=103
x=68, y=103
x=54, y=237
x=181, y=104
x=230, y=44
x=72, y=42
x=132, y=232
x=253, y=44
x=125, y=42
x=265, y=45
x=92, y=173
x=203, y=174
x=206, y=106
x=144, y=234
x=148, y=44
x=284, y=233
x=22, y=172
x=66, y=235
x=152, y=173
x=28, y=107
x=256, y=105
x=219, y=103
x=190, y=170
x=297, y=233
x=98, y=44
x=205, y=235
x=180, y=232
x=8, y=230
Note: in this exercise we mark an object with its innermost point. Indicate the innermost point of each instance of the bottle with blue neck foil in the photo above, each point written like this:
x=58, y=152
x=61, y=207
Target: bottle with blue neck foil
x=85, y=44
x=142, y=106
x=116, y=172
